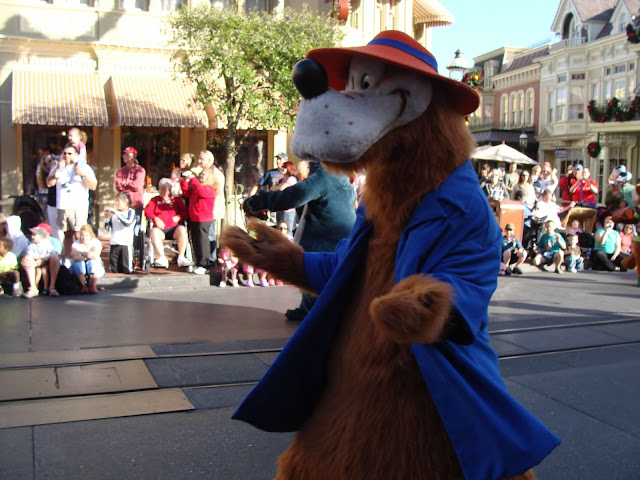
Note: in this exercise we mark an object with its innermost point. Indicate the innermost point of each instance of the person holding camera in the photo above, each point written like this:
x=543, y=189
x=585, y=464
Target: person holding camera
x=607, y=254
x=494, y=187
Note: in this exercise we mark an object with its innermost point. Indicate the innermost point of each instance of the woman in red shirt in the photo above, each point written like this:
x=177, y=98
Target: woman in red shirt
x=201, y=192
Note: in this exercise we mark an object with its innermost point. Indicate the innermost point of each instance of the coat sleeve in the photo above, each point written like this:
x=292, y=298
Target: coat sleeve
x=320, y=266
x=293, y=197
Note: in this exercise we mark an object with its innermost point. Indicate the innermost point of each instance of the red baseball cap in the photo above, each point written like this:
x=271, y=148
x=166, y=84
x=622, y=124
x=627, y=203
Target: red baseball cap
x=43, y=226
x=399, y=49
x=130, y=150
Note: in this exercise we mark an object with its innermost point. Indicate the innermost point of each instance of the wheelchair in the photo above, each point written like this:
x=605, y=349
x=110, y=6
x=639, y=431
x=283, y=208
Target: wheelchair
x=170, y=247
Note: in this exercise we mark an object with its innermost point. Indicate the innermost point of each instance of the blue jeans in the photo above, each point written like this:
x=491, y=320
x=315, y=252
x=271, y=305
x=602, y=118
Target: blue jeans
x=573, y=262
x=92, y=266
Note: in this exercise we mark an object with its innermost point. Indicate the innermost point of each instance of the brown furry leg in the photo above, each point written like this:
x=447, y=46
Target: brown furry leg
x=414, y=311
x=528, y=475
x=265, y=248
x=633, y=260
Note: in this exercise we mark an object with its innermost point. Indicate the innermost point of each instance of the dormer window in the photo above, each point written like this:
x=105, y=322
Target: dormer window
x=622, y=23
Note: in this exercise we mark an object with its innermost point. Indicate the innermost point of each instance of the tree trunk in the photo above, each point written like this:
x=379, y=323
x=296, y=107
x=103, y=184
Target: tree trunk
x=231, y=212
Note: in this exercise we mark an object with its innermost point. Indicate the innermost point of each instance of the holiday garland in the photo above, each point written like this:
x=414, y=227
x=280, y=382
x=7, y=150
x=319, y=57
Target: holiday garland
x=473, y=79
x=633, y=35
x=594, y=149
x=613, y=111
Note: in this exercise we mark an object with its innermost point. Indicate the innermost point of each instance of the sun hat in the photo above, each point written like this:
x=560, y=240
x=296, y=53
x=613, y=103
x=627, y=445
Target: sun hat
x=620, y=176
x=399, y=49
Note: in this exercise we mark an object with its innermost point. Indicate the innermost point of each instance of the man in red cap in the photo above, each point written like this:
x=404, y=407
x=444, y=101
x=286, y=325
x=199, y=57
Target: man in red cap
x=130, y=179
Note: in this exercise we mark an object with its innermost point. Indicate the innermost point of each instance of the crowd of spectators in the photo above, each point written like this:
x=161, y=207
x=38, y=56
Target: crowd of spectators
x=564, y=228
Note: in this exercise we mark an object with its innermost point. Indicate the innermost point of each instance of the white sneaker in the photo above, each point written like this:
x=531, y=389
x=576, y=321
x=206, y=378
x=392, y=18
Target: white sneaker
x=161, y=262
x=200, y=270
x=223, y=284
x=235, y=283
x=183, y=261
x=17, y=291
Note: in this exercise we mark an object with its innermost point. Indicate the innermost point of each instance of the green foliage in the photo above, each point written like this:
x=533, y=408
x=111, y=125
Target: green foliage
x=242, y=62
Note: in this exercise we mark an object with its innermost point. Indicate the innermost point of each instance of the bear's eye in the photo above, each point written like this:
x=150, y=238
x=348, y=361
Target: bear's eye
x=365, y=82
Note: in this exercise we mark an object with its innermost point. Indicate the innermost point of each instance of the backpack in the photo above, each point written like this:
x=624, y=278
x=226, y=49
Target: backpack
x=67, y=283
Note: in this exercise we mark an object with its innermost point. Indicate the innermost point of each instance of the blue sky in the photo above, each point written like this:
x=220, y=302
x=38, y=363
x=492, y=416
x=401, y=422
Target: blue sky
x=481, y=27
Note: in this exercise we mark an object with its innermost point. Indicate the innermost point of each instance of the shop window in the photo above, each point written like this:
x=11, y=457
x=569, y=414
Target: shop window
x=158, y=149
x=251, y=160
x=607, y=90
x=576, y=103
x=619, y=89
x=259, y=5
x=561, y=103
x=595, y=92
x=504, y=110
x=530, y=106
x=134, y=4
x=355, y=14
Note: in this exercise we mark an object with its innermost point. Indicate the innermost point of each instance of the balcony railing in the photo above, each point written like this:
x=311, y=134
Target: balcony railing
x=569, y=42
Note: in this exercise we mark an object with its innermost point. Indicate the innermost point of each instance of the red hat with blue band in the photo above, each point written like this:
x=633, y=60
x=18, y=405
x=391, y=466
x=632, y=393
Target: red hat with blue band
x=399, y=49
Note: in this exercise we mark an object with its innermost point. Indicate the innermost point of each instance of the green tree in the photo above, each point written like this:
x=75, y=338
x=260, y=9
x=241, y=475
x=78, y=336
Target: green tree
x=242, y=64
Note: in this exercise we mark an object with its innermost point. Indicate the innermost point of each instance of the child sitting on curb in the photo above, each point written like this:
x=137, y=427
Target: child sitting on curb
x=41, y=262
x=9, y=267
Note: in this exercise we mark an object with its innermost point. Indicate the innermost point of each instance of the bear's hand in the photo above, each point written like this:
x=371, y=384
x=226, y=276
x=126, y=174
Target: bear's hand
x=267, y=249
x=416, y=310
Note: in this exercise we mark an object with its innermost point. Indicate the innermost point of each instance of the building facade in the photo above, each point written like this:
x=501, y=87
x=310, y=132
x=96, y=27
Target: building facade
x=592, y=61
x=104, y=66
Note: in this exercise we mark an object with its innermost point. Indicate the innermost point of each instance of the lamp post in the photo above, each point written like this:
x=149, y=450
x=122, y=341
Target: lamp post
x=524, y=140
x=458, y=66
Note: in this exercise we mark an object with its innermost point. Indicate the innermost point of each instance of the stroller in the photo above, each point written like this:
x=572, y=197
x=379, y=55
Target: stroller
x=29, y=211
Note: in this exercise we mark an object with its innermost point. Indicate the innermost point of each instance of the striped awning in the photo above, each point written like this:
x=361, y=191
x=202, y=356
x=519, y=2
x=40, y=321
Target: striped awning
x=157, y=101
x=431, y=13
x=58, y=98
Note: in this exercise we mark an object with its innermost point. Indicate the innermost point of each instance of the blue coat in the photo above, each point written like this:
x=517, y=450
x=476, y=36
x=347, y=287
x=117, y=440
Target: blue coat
x=452, y=236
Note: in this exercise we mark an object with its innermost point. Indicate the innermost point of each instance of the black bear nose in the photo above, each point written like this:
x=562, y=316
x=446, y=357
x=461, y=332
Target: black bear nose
x=310, y=78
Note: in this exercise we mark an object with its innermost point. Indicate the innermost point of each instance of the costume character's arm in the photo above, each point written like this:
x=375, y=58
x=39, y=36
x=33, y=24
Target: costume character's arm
x=267, y=249
x=446, y=270
x=292, y=197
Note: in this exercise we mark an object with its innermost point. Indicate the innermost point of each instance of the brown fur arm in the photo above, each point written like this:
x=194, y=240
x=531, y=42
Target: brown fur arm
x=268, y=250
x=416, y=310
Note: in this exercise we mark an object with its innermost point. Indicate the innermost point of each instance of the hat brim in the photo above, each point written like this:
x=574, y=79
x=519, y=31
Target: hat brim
x=336, y=62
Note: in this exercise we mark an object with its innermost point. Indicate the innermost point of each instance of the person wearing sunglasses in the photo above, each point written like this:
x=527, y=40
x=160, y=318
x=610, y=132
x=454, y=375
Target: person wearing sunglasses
x=73, y=182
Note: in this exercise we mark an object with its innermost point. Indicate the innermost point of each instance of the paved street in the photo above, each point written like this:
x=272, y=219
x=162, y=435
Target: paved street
x=139, y=382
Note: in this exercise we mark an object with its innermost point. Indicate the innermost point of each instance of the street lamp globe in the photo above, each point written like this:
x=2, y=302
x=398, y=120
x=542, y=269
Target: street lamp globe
x=524, y=140
x=458, y=66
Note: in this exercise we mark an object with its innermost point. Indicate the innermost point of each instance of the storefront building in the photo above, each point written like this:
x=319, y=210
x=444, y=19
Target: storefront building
x=104, y=66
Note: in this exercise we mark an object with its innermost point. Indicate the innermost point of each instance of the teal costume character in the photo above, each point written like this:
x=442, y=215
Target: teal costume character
x=451, y=236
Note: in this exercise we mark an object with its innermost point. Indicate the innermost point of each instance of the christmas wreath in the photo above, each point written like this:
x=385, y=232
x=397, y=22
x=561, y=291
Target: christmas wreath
x=473, y=79
x=594, y=149
x=633, y=35
x=613, y=111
